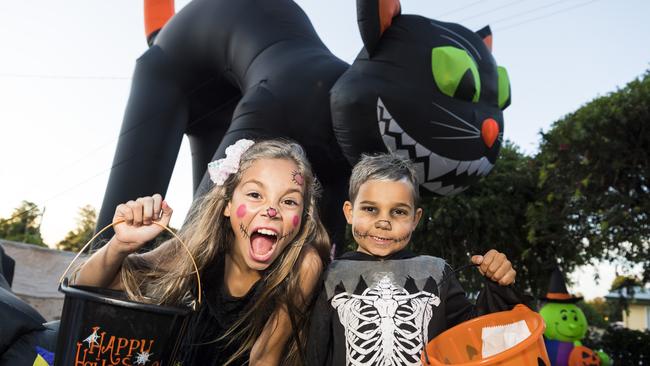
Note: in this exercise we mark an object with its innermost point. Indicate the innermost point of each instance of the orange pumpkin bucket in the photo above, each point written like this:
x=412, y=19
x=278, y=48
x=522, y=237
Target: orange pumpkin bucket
x=462, y=344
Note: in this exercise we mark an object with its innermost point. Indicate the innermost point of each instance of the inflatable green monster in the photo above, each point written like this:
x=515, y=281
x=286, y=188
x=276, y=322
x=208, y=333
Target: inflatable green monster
x=566, y=325
x=564, y=322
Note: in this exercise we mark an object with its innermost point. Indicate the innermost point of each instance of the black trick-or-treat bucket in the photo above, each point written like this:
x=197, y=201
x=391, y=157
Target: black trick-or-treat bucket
x=102, y=327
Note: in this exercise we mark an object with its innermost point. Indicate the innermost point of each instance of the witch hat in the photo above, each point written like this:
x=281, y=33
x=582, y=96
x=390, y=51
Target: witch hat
x=557, y=291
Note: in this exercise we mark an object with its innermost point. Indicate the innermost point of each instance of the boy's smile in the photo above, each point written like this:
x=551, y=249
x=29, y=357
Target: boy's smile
x=383, y=216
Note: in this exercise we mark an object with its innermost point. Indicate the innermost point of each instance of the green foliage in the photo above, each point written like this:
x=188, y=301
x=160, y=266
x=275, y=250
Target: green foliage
x=594, y=170
x=624, y=346
x=23, y=225
x=625, y=282
x=596, y=312
x=77, y=238
x=490, y=214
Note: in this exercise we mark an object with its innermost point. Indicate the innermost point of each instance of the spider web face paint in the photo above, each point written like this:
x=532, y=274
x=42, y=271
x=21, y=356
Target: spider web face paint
x=297, y=178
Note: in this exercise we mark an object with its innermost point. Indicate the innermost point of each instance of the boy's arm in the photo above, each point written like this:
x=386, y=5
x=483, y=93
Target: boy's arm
x=457, y=307
x=492, y=298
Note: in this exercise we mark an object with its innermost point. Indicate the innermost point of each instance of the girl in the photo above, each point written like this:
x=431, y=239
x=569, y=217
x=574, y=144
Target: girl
x=259, y=245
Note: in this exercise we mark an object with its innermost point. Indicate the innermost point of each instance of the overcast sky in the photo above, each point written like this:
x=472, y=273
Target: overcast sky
x=65, y=76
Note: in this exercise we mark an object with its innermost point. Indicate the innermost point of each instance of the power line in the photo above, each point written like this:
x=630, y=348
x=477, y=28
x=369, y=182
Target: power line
x=458, y=9
x=492, y=11
x=511, y=17
x=61, y=77
x=546, y=15
x=142, y=123
x=60, y=193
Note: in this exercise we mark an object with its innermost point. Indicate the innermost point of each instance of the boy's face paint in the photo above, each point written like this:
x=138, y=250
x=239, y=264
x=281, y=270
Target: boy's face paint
x=260, y=237
x=383, y=216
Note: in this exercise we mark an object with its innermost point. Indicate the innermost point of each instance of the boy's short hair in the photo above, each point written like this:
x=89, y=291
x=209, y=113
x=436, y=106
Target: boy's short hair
x=384, y=166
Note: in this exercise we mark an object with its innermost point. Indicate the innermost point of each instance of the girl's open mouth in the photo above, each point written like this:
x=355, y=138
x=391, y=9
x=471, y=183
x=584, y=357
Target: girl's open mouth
x=263, y=243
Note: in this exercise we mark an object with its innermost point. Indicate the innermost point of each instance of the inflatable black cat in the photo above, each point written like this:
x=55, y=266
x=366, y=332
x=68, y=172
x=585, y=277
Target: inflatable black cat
x=222, y=70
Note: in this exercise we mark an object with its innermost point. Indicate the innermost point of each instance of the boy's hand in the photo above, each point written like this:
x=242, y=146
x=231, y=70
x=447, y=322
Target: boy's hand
x=138, y=227
x=495, y=266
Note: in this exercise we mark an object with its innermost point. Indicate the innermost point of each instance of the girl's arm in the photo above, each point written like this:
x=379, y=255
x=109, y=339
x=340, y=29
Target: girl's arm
x=270, y=345
x=103, y=267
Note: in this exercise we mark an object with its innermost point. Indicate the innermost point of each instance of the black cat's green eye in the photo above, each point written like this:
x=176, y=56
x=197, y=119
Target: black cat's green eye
x=455, y=73
x=504, y=87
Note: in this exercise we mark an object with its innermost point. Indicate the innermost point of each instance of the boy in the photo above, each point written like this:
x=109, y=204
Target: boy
x=381, y=304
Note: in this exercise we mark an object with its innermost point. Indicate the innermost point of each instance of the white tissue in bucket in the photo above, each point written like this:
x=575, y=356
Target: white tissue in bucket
x=502, y=337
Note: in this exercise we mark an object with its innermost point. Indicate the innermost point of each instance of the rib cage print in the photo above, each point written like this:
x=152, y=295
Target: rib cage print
x=384, y=325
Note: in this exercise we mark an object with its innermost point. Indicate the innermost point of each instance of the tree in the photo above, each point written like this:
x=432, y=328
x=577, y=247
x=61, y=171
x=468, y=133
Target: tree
x=594, y=189
x=23, y=225
x=605, y=310
x=593, y=311
x=490, y=214
x=624, y=346
x=77, y=238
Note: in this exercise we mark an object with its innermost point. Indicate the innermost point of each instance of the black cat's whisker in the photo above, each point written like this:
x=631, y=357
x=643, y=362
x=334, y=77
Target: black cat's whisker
x=458, y=118
x=453, y=127
x=455, y=42
x=455, y=137
x=461, y=37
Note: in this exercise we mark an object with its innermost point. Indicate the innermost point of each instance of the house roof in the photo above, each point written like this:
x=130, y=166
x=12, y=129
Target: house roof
x=641, y=295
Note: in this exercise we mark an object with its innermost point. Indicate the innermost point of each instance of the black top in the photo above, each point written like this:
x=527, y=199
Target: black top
x=216, y=315
x=379, y=311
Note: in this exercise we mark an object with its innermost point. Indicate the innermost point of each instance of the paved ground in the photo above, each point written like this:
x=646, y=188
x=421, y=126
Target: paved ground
x=37, y=274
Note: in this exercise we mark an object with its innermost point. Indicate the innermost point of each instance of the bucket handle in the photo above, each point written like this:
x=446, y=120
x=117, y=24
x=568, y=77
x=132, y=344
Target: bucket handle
x=196, y=268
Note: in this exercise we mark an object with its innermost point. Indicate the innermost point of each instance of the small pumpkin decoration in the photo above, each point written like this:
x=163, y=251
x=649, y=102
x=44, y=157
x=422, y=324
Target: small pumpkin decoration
x=583, y=356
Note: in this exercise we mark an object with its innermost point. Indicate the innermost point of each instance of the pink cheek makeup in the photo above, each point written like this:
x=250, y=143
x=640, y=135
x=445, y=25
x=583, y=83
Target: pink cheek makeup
x=241, y=210
x=296, y=221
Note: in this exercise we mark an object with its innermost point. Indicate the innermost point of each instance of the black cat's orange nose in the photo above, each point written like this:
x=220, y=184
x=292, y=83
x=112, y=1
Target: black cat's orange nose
x=489, y=131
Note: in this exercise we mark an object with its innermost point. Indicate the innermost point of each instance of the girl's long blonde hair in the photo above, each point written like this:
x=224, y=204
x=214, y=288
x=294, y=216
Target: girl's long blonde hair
x=208, y=233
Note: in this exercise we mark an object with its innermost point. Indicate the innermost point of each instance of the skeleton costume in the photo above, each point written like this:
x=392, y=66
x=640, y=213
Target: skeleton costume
x=380, y=311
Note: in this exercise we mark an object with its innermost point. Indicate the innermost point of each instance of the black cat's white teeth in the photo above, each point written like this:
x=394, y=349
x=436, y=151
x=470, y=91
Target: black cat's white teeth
x=438, y=166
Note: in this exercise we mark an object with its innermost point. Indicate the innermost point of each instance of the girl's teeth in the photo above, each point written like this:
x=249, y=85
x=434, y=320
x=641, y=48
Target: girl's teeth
x=266, y=232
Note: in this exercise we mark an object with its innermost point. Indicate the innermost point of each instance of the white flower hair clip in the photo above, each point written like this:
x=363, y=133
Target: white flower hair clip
x=221, y=169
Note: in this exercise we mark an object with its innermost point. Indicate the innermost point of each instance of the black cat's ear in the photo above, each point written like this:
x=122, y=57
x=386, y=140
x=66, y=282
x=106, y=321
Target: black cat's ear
x=486, y=35
x=374, y=17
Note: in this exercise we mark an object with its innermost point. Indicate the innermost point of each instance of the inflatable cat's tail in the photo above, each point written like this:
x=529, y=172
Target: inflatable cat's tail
x=156, y=14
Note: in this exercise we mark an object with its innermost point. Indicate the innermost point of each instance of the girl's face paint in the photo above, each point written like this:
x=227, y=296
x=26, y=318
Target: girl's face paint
x=262, y=185
x=296, y=221
x=297, y=178
x=241, y=210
